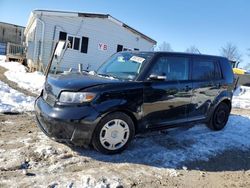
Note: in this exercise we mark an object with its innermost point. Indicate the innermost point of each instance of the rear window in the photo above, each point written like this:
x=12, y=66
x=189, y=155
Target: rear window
x=204, y=69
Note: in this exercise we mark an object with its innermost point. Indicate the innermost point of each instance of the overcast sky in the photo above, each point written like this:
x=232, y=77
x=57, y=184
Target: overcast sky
x=206, y=24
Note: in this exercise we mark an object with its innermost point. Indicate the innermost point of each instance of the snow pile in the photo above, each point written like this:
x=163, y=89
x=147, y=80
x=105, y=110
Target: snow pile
x=241, y=97
x=13, y=66
x=14, y=101
x=18, y=73
x=29, y=81
x=2, y=58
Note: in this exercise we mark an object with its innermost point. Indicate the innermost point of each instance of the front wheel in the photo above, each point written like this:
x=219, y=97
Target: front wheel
x=113, y=133
x=220, y=117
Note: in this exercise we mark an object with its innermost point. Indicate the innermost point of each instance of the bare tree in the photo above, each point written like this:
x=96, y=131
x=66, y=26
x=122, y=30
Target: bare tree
x=193, y=50
x=248, y=52
x=231, y=52
x=164, y=47
x=247, y=66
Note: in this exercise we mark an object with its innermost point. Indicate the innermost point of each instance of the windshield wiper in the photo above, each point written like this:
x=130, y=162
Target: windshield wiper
x=101, y=74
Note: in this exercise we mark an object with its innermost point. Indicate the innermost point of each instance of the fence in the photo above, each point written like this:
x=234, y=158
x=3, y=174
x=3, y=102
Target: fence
x=15, y=52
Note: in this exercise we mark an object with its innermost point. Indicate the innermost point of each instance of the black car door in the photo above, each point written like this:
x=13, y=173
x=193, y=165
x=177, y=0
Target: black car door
x=166, y=100
x=207, y=81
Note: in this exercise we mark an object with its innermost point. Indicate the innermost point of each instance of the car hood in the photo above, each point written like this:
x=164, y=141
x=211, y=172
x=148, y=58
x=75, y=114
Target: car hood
x=74, y=82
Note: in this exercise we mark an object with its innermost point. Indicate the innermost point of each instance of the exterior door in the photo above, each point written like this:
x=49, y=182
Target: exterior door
x=166, y=101
x=206, y=76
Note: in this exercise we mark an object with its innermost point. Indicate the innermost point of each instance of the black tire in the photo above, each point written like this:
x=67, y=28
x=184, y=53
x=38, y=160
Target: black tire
x=219, y=117
x=96, y=139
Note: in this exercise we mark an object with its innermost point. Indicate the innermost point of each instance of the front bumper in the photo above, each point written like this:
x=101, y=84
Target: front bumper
x=71, y=124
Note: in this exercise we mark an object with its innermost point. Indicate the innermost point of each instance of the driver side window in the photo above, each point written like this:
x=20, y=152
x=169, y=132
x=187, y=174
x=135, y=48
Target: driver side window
x=174, y=68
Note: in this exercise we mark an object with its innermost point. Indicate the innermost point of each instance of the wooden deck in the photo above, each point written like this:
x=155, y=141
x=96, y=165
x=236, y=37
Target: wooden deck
x=15, y=52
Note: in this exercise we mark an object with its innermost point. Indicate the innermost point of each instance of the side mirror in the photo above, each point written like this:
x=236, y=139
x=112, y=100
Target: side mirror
x=157, y=77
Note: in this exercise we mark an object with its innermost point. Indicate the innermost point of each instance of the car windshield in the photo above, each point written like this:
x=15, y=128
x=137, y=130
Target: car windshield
x=124, y=65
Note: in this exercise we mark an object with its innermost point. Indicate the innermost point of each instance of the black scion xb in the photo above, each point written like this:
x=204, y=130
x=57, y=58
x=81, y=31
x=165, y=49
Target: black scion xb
x=133, y=92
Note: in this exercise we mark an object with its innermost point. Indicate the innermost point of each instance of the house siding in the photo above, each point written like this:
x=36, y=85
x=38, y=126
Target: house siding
x=98, y=30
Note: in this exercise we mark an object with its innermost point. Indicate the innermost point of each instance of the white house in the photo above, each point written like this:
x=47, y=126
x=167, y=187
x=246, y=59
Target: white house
x=93, y=38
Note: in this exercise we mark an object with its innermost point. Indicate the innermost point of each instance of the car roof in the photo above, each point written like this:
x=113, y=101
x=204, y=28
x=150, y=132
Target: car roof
x=179, y=53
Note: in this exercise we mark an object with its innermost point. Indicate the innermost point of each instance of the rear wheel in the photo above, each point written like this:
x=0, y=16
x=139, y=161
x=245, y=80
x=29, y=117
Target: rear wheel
x=113, y=133
x=220, y=117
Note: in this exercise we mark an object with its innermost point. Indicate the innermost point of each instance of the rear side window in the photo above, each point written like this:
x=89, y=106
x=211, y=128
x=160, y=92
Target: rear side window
x=204, y=69
x=174, y=68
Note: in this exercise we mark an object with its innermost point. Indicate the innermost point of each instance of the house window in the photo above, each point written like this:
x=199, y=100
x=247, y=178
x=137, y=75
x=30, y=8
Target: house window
x=119, y=48
x=84, y=45
x=62, y=35
x=76, y=43
x=70, y=39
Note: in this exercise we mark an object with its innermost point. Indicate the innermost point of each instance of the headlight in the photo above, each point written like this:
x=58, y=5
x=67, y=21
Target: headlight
x=76, y=97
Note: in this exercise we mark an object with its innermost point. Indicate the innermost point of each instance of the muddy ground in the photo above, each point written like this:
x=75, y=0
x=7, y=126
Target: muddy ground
x=30, y=159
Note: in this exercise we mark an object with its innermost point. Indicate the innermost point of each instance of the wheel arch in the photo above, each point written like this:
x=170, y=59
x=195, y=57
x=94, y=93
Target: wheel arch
x=218, y=101
x=225, y=100
x=228, y=102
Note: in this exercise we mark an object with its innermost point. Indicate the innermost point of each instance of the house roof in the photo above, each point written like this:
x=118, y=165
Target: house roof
x=12, y=24
x=90, y=15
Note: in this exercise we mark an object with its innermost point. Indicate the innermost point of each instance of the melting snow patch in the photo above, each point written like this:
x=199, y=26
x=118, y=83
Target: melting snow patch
x=2, y=58
x=14, y=101
x=89, y=181
x=241, y=97
x=172, y=173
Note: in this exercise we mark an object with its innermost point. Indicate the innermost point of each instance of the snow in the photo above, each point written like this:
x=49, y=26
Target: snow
x=93, y=73
x=14, y=101
x=241, y=97
x=18, y=73
x=30, y=81
x=2, y=58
